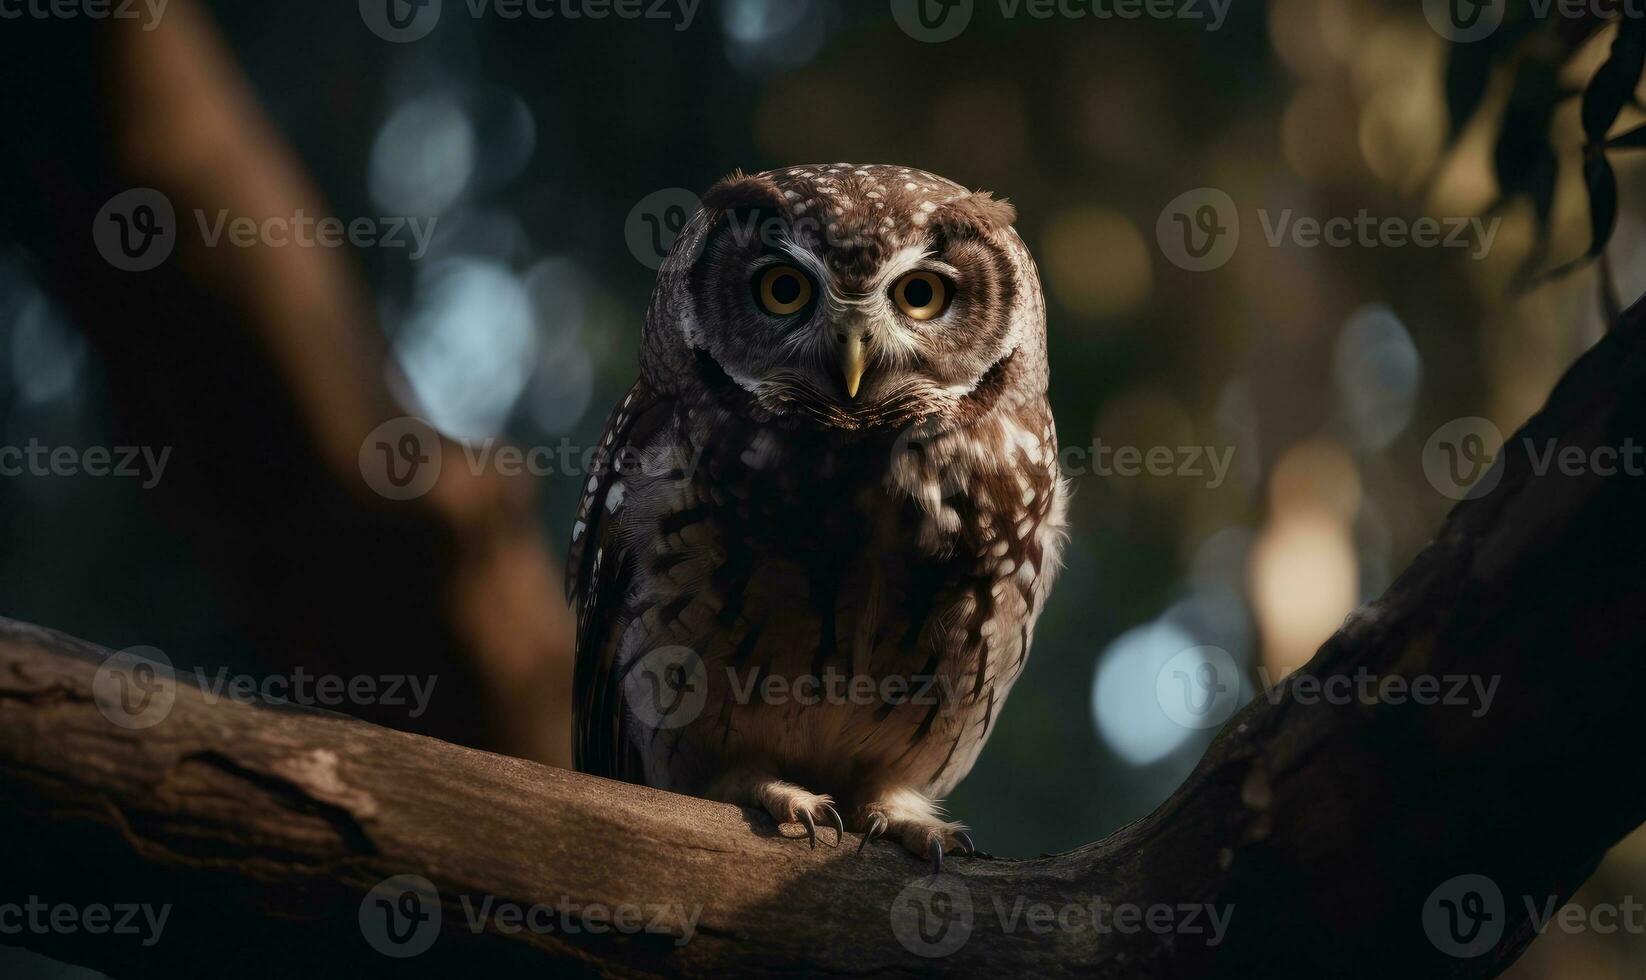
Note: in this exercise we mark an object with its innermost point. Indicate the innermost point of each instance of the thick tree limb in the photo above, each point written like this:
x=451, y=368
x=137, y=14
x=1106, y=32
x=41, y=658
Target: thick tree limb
x=1322, y=829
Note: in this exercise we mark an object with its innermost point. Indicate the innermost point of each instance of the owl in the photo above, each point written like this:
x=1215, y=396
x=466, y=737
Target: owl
x=820, y=527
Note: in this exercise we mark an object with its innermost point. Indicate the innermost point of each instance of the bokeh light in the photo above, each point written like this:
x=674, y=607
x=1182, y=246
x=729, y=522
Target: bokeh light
x=468, y=346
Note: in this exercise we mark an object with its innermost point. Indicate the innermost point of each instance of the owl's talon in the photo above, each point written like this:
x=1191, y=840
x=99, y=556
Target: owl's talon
x=965, y=840
x=839, y=825
x=877, y=826
x=934, y=850
x=811, y=827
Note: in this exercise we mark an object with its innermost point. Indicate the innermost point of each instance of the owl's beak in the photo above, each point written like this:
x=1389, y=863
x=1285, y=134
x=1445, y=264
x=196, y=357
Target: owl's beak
x=853, y=360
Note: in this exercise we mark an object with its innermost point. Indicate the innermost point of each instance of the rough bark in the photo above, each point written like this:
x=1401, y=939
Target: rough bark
x=1321, y=829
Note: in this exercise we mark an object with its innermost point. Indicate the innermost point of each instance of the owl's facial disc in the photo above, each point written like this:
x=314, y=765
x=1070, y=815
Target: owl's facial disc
x=854, y=300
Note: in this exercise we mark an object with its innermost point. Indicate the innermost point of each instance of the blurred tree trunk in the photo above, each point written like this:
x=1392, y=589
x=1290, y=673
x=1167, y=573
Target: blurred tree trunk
x=264, y=369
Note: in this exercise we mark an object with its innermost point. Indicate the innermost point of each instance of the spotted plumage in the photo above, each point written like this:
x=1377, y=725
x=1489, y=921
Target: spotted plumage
x=822, y=523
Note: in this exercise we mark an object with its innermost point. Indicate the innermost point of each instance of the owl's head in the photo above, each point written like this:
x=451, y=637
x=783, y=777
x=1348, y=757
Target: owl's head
x=848, y=297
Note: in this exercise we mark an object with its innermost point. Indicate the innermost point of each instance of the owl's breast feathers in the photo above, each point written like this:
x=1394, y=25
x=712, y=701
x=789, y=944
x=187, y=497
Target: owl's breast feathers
x=918, y=556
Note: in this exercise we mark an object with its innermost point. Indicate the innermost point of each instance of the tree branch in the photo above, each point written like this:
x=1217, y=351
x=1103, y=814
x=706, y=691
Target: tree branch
x=1322, y=830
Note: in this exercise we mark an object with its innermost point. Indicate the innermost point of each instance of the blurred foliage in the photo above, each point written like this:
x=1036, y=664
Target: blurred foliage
x=1534, y=50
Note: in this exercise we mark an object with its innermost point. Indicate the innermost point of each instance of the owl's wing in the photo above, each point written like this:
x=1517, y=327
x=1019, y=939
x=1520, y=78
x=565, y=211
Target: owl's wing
x=598, y=573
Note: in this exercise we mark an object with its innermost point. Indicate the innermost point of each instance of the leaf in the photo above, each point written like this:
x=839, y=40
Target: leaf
x=1602, y=184
x=1634, y=139
x=1468, y=70
x=1614, y=83
x=1524, y=160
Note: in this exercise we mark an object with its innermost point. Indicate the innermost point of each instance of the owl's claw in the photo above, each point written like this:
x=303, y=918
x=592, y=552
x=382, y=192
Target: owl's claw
x=877, y=826
x=787, y=803
x=839, y=824
x=810, y=823
x=914, y=821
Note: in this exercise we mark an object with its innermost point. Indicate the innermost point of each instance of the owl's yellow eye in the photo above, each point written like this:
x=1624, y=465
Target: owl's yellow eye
x=783, y=290
x=921, y=295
